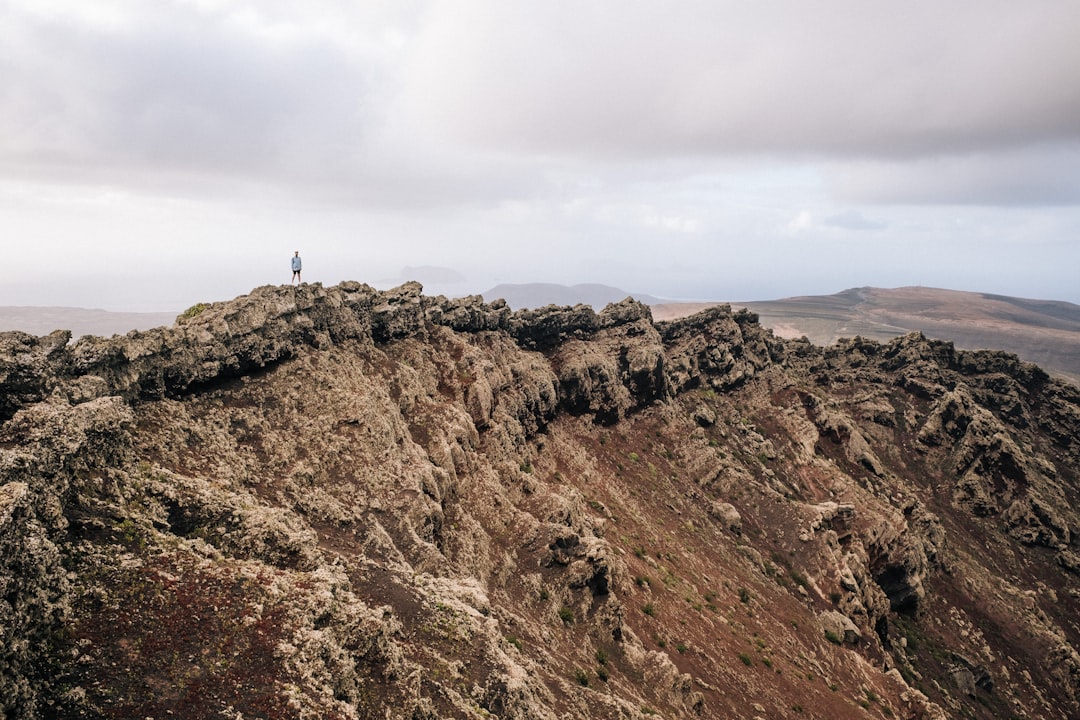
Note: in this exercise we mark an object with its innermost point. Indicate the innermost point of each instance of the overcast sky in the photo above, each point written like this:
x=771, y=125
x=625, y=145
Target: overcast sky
x=158, y=153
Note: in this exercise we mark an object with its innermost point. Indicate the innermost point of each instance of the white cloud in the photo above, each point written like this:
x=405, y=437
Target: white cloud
x=803, y=221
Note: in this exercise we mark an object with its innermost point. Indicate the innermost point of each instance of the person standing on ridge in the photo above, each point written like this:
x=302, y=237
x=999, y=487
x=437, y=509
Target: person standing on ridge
x=296, y=267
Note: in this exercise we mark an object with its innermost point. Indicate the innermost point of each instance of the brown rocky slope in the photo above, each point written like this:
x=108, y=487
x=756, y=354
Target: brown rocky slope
x=341, y=503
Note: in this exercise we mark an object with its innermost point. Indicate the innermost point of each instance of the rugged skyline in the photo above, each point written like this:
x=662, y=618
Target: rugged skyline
x=153, y=156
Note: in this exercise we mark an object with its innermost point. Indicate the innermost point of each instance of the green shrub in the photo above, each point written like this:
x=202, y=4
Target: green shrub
x=566, y=615
x=193, y=311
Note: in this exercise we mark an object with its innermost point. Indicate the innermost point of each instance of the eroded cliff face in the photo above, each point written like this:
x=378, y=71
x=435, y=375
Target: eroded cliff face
x=343, y=503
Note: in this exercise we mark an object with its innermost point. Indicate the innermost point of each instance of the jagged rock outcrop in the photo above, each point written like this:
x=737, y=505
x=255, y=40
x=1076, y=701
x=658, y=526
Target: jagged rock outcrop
x=618, y=368
x=345, y=503
x=26, y=368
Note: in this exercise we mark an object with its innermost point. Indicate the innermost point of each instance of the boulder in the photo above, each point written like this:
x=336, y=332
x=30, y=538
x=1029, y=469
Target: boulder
x=727, y=515
x=839, y=628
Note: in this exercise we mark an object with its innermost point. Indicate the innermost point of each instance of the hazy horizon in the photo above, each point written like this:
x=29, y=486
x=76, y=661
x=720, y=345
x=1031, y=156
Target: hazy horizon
x=532, y=287
x=154, y=156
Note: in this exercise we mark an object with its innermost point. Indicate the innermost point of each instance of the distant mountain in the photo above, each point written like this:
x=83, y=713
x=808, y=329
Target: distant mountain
x=1044, y=332
x=535, y=295
x=80, y=321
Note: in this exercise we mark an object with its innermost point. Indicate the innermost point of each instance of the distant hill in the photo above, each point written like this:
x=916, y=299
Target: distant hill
x=80, y=321
x=1044, y=332
x=535, y=295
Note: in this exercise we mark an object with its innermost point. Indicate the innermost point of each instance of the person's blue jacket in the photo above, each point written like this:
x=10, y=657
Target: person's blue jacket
x=296, y=263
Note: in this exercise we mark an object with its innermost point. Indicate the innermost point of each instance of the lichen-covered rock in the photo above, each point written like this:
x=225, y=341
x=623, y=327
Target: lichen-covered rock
x=840, y=429
x=839, y=628
x=33, y=588
x=590, y=382
x=727, y=515
x=41, y=449
x=469, y=314
x=339, y=502
x=28, y=368
x=619, y=368
x=547, y=327
x=716, y=348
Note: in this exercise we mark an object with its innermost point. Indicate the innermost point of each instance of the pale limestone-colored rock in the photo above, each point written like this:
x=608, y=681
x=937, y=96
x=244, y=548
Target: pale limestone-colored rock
x=839, y=626
x=727, y=515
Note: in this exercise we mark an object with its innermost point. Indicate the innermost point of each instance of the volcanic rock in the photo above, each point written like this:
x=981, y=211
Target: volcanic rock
x=337, y=502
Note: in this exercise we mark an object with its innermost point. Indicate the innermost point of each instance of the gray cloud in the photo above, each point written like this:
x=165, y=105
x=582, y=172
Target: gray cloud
x=565, y=142
x=174, y=95
x=191, y=100
x=1039, y=175
x=185, y=90
x=851, y=79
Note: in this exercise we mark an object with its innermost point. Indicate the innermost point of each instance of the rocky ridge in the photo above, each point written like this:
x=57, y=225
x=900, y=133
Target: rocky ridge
x=340, y=503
